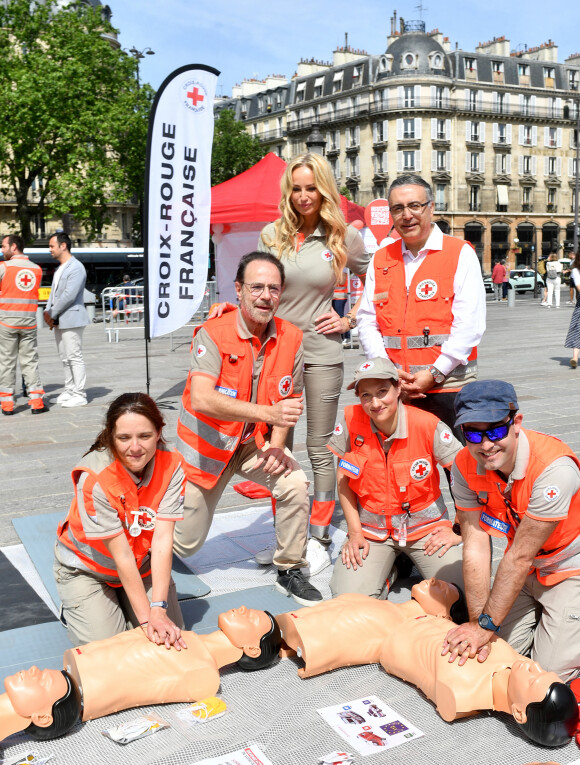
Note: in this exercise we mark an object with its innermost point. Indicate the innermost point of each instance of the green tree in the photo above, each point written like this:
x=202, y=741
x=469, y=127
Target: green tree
x=234, y=149
x=74, y=122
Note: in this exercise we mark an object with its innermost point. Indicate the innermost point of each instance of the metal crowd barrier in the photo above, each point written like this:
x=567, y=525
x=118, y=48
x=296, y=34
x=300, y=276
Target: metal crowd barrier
x=124, y=310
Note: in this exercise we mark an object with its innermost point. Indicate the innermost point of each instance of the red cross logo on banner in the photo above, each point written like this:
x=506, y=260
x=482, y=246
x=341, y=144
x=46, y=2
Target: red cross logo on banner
x=551, y=493
x=420, y=469
x=285, y=385
x=25, y=280
x=195, y=96
x=201, y=349
x=426, y=289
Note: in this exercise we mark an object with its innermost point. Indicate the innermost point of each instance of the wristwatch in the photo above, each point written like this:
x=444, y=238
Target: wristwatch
x=486, y=622
x=160, y=604
x=438, y=376
x=351, y=320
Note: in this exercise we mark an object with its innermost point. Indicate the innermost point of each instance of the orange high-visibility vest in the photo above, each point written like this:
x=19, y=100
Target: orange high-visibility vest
x=403, y=483
x=19, y=293
x=125, y=497
x=560, y=556
x=207, y=443
x=415, y=325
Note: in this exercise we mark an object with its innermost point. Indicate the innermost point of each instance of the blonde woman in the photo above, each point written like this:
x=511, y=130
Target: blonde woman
x=315, y=244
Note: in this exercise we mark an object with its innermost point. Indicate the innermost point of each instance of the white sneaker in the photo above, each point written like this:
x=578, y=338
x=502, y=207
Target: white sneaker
x=75, y=400
x=317, y=556
x=266, y=556
x=64, y=396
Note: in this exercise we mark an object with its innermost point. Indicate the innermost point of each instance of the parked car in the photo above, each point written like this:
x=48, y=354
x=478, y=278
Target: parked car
x=521, y=280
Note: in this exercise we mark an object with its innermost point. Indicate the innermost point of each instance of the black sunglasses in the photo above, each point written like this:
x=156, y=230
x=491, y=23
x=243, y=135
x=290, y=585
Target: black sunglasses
x=495, y=433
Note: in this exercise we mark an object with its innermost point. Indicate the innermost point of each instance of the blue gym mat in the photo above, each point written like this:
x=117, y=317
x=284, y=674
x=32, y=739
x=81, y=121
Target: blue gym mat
x=38, y=533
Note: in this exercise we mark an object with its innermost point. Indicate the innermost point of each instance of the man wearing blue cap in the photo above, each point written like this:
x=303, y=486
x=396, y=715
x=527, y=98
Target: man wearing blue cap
x=523, y=486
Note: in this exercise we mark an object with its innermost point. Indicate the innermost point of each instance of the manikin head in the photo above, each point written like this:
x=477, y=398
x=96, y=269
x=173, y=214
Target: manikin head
x=255, y=632
x=544, y=707
x=439, y=598
x=49, y=698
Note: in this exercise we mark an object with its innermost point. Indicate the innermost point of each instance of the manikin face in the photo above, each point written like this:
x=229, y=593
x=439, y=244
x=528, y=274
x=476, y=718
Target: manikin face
x=33, y=692
x=527, y=683
x=135, y=440
x=305, y=197
x=245, y=627
x=258, y=310
x=413, y=227
x=379, y=400
x=435, y=596
x=496, y=455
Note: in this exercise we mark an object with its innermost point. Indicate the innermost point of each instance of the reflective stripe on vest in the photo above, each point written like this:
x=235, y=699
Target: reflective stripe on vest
x=560, y=555
x=384, y=485
x=414, y=329
x=207, y=443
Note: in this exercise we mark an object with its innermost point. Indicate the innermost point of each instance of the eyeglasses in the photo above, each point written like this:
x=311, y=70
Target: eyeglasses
x=415, y=207
x=496, y=433
x=256, y=290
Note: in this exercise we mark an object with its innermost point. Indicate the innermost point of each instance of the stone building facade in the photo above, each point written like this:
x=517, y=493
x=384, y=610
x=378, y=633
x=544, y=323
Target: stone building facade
x=494, y=131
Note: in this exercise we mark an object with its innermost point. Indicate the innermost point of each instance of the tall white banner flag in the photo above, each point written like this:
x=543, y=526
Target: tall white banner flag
x=178, y=197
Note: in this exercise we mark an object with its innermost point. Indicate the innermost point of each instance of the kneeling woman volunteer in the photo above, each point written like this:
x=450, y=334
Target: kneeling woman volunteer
x=113, y=551
x=388, y=485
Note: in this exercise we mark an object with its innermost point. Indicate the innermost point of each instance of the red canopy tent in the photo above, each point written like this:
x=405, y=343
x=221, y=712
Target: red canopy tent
x=241, y=207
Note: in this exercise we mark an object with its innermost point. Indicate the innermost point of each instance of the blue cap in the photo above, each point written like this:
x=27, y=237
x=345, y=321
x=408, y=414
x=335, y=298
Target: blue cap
x=485, y=401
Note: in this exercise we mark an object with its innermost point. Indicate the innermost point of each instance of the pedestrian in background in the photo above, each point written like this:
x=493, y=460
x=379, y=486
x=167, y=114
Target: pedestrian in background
x=19, y=282
x=66, y=314
x=573, y=336
x=497, y=277
x=553, y=280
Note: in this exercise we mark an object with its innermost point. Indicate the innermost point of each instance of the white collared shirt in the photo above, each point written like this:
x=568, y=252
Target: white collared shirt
x=468, y=307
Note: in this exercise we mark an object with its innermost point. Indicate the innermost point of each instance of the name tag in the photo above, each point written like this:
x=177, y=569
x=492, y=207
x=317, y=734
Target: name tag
x=349, y=467
x=495, y=523
x=227, y=391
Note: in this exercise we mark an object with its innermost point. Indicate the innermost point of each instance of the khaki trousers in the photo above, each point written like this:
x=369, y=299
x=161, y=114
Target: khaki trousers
x=544, y=623
x=290, y=492
x=369, y=579
x=18, y=343
x=93, y=610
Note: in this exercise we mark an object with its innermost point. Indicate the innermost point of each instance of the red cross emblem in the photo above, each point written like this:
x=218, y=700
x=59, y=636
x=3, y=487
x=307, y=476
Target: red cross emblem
x=551, y=493
x=446, y=436
x=426, y=289
x=420, y=469
x=201, y=349
x=285, y=385
x=366, y=365
x=195, y=96
x=25, y=280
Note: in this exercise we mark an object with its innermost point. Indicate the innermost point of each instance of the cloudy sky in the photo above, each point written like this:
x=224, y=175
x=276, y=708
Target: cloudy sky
x=254, y=38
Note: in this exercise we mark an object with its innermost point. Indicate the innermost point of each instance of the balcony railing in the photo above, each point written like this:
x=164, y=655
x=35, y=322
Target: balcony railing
x=440, y=206
x=527, y=207
x=454, y=105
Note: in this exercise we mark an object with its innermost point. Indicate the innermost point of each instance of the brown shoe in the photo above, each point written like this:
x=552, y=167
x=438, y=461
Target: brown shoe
x=573, y=363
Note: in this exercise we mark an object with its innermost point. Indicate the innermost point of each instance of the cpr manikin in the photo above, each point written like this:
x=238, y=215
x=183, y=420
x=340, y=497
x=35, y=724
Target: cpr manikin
x=128, y=670
x=407, y=639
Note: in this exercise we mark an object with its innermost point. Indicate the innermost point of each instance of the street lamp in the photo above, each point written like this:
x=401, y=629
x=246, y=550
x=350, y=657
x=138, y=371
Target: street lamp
x=576, y=187
x=138, y=55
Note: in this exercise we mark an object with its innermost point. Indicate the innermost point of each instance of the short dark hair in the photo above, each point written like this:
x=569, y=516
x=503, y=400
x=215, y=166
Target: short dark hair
x=411, y=179
x=62, y=238
x=270, y=644
x=554, y=720
x=15, y=239
x=250, y=257
x=66, y=712
x=458, y=611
